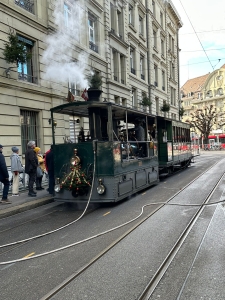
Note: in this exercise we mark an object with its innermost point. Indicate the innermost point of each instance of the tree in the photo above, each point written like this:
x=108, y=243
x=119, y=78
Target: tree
x=204, y=119
x=15, y=51
x=181, y=111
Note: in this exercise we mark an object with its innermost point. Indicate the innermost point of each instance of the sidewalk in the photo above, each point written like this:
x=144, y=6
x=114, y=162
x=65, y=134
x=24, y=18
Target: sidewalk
x=24, y=202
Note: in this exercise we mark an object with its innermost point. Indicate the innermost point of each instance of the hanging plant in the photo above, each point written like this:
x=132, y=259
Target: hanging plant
x=181, y=111
x=165, y=107
x=15, y=51
x=145, y=101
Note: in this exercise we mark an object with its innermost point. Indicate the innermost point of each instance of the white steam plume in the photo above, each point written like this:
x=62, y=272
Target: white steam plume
x=59, y=54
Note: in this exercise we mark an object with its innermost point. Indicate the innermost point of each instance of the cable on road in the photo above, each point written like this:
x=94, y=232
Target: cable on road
x=105, y=232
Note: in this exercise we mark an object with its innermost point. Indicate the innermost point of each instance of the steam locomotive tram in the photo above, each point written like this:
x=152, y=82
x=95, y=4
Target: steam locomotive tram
x=120, y=151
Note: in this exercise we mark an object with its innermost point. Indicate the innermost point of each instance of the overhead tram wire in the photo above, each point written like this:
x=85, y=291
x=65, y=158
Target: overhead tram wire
x=141, y=53
x=196, y=35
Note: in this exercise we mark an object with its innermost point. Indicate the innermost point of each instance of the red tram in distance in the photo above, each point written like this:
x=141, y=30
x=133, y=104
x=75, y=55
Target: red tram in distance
x=217, y=140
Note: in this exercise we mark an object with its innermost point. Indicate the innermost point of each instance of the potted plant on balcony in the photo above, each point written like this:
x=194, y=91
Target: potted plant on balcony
x=145, y=102
x=15, y=51
x=165, y=107
x=94, y=92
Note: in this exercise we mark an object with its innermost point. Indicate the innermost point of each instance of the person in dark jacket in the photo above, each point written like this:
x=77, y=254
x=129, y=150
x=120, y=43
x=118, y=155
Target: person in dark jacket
x=49, y=161
x=4, y=178
x=31, y=164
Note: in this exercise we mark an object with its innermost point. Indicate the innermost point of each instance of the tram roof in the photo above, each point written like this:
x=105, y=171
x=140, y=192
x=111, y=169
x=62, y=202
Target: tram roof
x=80, y=108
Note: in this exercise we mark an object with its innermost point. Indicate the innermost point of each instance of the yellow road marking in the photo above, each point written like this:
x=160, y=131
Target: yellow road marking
x=143, y=194
x=28, y=255
x=107, y=213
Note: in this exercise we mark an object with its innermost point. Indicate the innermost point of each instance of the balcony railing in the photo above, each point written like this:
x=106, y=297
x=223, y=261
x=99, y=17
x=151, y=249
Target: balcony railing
x=122, y=81
x=93, y=47
x=133, y=71
x=26, y=4
x=142, y=76
x=26, y=77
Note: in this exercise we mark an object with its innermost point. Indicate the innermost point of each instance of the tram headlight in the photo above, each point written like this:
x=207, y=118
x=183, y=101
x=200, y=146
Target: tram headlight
x=57, y=188
x=101, y=188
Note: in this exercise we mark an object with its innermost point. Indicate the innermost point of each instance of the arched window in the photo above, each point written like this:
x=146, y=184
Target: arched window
x=219, y=92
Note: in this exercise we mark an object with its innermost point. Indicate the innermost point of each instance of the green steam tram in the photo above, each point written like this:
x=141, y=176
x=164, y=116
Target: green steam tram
x=119, y=152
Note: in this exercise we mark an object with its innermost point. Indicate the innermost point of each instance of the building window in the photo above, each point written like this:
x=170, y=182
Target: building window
x=117, y=100
x=170, y=42
x=123, y=68
x=172, y=96
x=29, y=128
x=173, y=47
x=157, y=105
x=142, y=67
x=133, y=98
x=156, y=75
x=67, y=15
x=74, y=88
x=132, y=69
x=131, y=15
x=26, y=70
x=172, y=70
x=163, y=80
x=115, y=65
x=209, y=94
x=140, y=25
x=173, y=116
x=26, y=4
x=154, y=39
x=219, y=92
x=112, y=14
x=162, y=47
x=161, y=18
x=153, y=8
x=120, y=25
x=92, y=33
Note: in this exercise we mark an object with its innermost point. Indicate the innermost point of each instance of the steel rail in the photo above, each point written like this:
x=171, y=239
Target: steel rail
x=148, y=291
x=118, y=240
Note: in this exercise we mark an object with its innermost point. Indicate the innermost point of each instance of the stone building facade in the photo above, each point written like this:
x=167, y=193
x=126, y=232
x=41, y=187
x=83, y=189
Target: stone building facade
x=132, y=44
x=205, y=90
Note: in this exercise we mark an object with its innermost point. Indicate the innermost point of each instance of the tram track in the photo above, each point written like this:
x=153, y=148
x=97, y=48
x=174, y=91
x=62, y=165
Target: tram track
x=168, y=259
x=155, y=280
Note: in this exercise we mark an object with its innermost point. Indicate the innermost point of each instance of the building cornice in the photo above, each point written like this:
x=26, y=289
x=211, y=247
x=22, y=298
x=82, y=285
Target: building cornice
x=116, y=38
x=97, y=5
x=141, y=7
x=28, y=88
x=25, y=17
x=116, y=83
x=133, y=38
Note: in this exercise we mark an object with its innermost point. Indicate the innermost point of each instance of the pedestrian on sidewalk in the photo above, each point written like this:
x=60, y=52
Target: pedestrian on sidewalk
x=4, y=178
x=49, y=159
x=41, y=164
x=31, y=164
x=16, y=169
